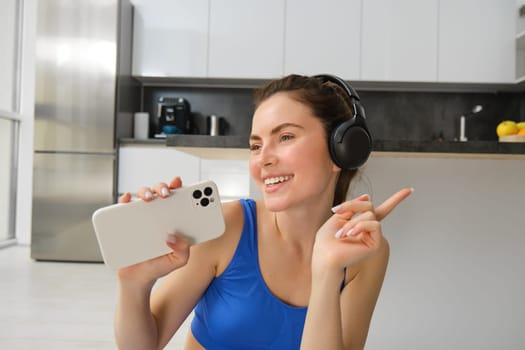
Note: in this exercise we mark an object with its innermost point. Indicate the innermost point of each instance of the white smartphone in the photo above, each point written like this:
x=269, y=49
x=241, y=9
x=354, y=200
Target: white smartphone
x=129, y=233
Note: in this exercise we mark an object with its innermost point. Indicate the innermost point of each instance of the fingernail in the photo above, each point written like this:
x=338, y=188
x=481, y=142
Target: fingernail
x=171, y=238
x=164, y=192
x=349, y=232
x=412, y=189
x=364, y=196
x=336, y=208
x=148, y=195
x=339, y=233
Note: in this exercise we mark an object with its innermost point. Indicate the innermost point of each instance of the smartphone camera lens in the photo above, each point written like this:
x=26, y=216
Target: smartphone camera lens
x=208, y=191
x=205, y=201
x=197, y=194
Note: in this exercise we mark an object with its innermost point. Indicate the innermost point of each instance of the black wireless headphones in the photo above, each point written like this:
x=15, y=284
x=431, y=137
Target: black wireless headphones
x=350, y=142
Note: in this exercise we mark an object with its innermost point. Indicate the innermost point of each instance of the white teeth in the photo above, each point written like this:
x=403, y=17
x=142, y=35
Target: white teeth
x=274, y=180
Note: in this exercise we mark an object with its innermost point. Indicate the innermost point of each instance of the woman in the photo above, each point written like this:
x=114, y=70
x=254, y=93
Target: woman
x=290, y=271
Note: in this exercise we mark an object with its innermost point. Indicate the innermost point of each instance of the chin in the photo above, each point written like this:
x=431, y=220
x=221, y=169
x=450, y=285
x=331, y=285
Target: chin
x=275, y=204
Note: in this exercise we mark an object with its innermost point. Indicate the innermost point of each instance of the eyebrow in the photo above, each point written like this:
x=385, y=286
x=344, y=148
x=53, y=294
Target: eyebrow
x=277, y=129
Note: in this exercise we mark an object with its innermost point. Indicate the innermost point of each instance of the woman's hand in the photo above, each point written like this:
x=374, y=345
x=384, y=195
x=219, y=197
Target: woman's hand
x=147, y=272
x=353, y=232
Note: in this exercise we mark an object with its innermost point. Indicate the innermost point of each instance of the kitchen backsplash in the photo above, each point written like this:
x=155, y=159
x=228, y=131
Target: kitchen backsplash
x=418, y=116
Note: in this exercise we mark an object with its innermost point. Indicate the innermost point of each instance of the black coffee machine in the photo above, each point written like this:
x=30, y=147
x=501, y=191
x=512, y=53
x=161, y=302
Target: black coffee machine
x=173, y=116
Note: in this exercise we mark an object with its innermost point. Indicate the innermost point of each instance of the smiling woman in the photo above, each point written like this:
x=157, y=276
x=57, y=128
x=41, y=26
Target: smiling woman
x=295, y=270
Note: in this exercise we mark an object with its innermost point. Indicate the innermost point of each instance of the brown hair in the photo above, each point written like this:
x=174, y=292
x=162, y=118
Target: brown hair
x=328, y=102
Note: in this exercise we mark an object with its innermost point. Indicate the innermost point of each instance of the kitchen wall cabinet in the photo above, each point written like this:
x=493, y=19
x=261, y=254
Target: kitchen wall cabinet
x=323, y=37
x=477, y=41
x=456, y=41
x=399, y=40
x=520, y=42
x=170, y=38
x=246, y=38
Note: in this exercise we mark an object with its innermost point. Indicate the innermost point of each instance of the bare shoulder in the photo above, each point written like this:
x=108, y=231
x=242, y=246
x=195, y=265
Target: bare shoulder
x=223, y=247
x=233, y=215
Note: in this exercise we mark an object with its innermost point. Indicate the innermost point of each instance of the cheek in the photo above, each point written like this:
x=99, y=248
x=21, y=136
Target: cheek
x=254, y=168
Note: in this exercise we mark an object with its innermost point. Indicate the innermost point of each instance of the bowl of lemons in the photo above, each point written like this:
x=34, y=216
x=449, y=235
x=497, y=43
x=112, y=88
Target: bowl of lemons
x=511, y=131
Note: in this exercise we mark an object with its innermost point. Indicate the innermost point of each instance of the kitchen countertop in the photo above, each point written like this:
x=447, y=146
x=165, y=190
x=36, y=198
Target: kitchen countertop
x=228, y=147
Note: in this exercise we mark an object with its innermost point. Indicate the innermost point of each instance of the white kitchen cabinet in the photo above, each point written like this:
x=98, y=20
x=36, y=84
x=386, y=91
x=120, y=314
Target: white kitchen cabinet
x=246, y=38
x=477, y=41
x=170, y=38
x=399, y=40
x=146, y=165
x=323, y=37
x=143, y=165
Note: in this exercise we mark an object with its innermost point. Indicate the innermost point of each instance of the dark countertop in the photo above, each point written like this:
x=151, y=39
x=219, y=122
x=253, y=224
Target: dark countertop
x=471, y=147
x=241, y=142
x=208, y=141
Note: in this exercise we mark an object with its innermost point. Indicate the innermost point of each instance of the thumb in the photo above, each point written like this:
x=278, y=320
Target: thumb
x=177, y=242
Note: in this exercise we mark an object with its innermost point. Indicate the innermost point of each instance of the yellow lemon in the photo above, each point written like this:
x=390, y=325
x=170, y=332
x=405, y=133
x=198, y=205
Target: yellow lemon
x=521, y=125
x=507, y=127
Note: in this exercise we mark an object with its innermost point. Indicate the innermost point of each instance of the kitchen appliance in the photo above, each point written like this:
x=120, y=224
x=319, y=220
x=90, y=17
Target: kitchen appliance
x=174, y=116
x=215, y=125
x=84, y=102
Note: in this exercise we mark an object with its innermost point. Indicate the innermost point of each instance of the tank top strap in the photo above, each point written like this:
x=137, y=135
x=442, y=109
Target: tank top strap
x=248, y=240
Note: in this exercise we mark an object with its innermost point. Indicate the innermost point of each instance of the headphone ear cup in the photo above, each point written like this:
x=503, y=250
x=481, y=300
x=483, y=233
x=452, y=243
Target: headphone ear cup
x=350, y=145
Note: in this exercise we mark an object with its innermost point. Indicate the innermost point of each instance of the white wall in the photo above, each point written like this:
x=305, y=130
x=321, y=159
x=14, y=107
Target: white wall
x=456, y=274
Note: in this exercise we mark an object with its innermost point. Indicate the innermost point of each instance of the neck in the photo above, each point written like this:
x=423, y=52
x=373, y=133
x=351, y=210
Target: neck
x=300, y=226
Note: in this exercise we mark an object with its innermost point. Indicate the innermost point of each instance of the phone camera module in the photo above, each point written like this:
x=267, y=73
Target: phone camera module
x=205, y=201
x=197, y=194
x=208, y=191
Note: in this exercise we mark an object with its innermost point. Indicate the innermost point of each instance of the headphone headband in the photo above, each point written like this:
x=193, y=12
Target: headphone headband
x=340, y=82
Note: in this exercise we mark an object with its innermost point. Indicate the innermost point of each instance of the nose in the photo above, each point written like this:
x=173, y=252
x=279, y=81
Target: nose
x=267, y=156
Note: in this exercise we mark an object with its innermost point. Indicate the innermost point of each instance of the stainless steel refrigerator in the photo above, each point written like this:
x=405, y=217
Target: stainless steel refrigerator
x=84, y=101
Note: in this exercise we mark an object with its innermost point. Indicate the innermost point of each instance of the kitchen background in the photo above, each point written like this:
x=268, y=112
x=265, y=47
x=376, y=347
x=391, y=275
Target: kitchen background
x=392, y=115
x=455, y=277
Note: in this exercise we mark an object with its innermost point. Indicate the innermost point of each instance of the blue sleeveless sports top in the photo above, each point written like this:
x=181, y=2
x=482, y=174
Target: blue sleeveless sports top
x=238, y=311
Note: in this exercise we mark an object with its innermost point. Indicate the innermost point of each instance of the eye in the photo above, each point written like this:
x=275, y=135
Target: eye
x=286, y=137
x=255, y=147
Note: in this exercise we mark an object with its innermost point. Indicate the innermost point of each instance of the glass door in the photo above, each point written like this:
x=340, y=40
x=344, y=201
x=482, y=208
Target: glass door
x=8, y=161
x=10, y=22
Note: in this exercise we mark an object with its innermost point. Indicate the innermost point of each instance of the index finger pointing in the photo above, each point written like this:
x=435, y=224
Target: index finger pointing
x=388, y=205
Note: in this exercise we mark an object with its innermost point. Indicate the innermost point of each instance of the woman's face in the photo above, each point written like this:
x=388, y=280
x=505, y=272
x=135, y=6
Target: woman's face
x=289, y=158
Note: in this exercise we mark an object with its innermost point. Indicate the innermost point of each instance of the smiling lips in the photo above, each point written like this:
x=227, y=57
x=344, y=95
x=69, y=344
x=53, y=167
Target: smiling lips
x=276, y=180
